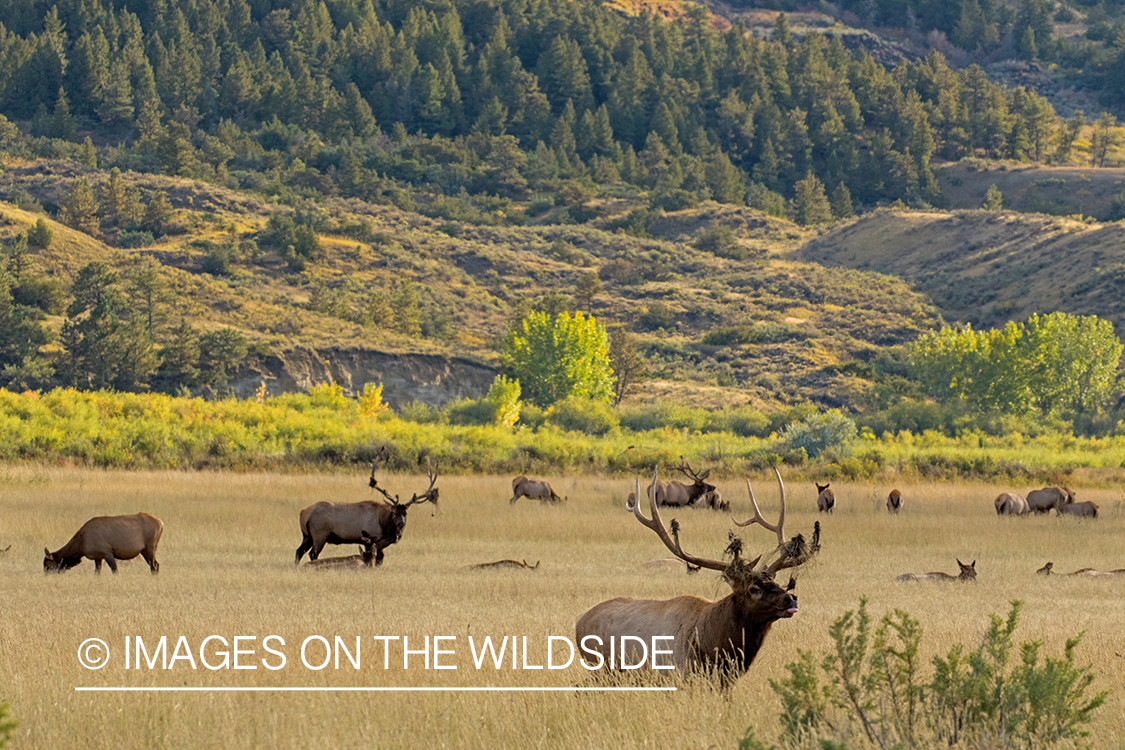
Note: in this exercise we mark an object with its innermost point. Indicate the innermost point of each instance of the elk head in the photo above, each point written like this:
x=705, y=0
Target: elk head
x=398, y=508
x=757, y=598
x=968, y=572
x=697, y=480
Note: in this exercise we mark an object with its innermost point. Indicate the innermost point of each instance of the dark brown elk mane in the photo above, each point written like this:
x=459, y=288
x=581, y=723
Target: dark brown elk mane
x=722, y=636
x=677, y=494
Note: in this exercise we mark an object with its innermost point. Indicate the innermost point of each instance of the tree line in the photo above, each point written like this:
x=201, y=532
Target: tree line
x=391, y=101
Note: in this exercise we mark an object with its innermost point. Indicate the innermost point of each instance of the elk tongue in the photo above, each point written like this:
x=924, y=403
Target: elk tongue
x=792, y=610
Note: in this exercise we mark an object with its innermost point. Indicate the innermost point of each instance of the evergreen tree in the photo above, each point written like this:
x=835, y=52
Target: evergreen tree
x=810, y=205
x=158, y=213
x=842, y=203
x=993, y=199
x=80, y=209
x=179, y=360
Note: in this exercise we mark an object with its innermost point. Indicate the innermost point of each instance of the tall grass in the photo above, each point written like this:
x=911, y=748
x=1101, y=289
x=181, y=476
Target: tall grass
x=226, y=569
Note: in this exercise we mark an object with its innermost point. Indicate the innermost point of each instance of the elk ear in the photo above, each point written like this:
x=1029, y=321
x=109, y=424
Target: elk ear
x=47, y=553
x=974, y=565
x=792, y=584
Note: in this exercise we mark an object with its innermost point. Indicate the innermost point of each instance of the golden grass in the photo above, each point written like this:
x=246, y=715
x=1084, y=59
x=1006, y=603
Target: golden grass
x=226, y=569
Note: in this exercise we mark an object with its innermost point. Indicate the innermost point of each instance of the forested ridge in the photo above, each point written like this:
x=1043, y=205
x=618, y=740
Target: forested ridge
x=501, y=99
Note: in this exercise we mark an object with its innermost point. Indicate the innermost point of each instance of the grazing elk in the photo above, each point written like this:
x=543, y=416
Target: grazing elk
x=713, y=500
x=825, y=499
x=365, y=558
x=1010, y=504
x=534, y=489
x=894, y=501
x=1085, y=509
x=348, y=523
x=968, y=573
x=675, y=494
x=109, y=539
x=1046, y=571
x=723, y=636
x=1041, y=501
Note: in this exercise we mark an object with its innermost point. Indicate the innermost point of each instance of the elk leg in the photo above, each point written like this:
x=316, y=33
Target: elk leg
x=112, y=563
x=150, y=558
x=379, y=556
x=306, y=545
x=98, y=565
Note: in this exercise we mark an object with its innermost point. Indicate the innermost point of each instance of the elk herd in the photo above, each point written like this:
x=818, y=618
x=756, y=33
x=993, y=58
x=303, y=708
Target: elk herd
x=722, y=637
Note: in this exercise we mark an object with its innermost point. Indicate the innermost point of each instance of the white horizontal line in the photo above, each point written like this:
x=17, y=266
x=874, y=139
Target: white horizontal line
x=374, y=689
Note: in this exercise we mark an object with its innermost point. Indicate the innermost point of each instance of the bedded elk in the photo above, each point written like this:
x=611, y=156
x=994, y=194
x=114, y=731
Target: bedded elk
x=1084, y=509
x=534, y=489
x=724, y=635
x=894, y=501
x=109, y=539
x=1010, y=504
x=1041, y=501
x=365, y=558
x=1091, y=572
x=511, y=564
x=825, y=499
x=968, y=573
x=713, y=500
x=347, y=523
x=674, y=494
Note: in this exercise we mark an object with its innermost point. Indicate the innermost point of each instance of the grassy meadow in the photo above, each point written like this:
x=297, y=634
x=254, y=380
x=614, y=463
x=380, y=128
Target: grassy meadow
x=226, y=569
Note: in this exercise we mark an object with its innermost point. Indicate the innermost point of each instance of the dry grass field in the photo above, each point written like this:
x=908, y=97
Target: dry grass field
x=227, y=569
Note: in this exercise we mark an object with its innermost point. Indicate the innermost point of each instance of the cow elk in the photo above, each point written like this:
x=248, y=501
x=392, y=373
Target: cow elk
x=534, y=489
x=1041, y=501
x=825, y=499
x=509, y=564
x=968, y=573
x=722, y=636
x=894, y=501
x=1010, y=504
x=365, y=558
x=109, y=539
x=1084, y=509
x=348, y=523
x=674, y=494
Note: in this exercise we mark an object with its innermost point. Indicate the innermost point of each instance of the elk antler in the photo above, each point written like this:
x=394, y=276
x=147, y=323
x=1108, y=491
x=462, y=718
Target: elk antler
x=658, y=526
x=779, y=528
x=685, y=469
x=431, y=493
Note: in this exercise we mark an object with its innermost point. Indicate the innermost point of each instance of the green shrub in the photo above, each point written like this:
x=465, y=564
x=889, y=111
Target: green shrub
x=578, y=414
x=469, y=411
x=40, y=235
x=729, y=336
x=130, y=239
x=6, y=725
x=217, y=260
x=504, y=398
x=818, y=433
x=420, y=413
x=664, y=414
x=874, y=694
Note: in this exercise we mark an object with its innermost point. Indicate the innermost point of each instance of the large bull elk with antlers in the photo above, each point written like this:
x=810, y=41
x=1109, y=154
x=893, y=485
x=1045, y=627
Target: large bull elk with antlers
x=676, y=494
x=723, y=636
x=348, y=523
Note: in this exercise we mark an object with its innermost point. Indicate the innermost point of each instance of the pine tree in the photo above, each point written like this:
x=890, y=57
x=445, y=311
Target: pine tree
x=62, y=122
x=80, y=209
x=993, y=199
x=725, y=181
x=810, y=205
x=116, y=101
x=842, y=203
x=404, y=303
x=158, y=212
x=89, y=154
x=179, y=360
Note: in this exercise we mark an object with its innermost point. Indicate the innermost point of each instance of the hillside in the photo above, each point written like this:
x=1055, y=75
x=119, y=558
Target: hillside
x=1060, y=191
x=987, y=267
x=740, y=323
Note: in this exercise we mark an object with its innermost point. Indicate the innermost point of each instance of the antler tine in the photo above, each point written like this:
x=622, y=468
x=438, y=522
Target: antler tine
x=656, y=525
x=778, y=528
x=431, y=494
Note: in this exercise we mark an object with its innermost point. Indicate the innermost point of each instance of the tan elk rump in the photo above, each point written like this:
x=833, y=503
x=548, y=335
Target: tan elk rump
x=968, y=573
x=894, y=501
x=364, y=560
x=1042, y=501
x=109, y=539
x=825, y=499
x=1085, y=509
x=724, y=635
x=1010, y=504
x=674, y=494
x=349, y=523
x=534, y=489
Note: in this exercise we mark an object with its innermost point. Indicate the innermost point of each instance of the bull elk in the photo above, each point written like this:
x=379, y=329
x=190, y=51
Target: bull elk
x=109, y=539
x=1084, y=509
x=894, y=501
x=1041, y=501
x=825, y=499
x=676, y=494
x=365, y=558
x=723, y=636
x=534, y=489
x=1091, y=572
x=348, y=523
x=968, y=573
